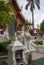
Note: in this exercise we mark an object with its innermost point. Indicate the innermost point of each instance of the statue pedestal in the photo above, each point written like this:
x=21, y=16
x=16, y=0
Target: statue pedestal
x=15, y=51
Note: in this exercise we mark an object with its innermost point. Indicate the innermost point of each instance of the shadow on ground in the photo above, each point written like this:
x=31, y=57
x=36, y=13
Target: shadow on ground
x=35, y=62
x=2, y=61
x=38, y=62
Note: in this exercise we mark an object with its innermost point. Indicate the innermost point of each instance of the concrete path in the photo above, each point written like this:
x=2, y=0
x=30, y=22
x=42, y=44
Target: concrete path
x=36, y=55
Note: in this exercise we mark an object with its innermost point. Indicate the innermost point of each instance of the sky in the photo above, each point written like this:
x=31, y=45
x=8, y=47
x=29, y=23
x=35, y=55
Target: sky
x=38, y=14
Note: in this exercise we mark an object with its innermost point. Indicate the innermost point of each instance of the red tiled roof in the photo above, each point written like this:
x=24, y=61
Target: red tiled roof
x=19, y=15
x=37, y=30
x=16, y=7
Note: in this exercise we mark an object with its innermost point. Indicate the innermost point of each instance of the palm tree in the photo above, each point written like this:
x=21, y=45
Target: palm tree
x=32, y=7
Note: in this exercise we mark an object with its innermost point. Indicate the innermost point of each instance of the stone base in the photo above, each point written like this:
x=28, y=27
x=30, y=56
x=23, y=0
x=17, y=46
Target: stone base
x=7, y=61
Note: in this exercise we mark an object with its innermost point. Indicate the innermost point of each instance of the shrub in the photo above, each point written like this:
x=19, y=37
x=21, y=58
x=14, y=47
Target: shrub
x=38, y=42
x=3, y=46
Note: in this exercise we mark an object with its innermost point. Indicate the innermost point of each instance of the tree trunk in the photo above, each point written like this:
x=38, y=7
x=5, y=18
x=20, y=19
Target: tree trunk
x=33, y=21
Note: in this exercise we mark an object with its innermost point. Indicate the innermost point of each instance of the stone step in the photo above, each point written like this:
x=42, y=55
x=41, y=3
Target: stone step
x=6, y=56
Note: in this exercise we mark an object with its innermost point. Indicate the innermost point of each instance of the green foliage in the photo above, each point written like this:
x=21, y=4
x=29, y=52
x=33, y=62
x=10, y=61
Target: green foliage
x=38, y=42
x=5, y=8
x=42, y=26
x=3, y=46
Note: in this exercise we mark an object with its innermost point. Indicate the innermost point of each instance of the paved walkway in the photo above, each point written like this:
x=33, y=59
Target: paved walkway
x=36, y=55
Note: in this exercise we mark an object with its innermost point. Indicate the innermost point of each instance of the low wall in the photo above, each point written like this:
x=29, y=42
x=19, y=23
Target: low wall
x=39, y=48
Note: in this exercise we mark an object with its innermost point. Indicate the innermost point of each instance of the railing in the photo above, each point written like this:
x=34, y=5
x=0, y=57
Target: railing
x=2, y=38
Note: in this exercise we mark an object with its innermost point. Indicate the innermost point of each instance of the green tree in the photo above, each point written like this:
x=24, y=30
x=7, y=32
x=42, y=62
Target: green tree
x=5, y=10
x=42, y=26
x=32, y=7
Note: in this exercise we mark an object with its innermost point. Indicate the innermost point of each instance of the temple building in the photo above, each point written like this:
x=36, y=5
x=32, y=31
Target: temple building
x=20, y=20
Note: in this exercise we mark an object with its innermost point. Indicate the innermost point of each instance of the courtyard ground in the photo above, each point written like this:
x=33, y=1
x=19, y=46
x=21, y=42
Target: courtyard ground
x=34, y=62
x=37, y=55
x=38, y=62
x=37, y=59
